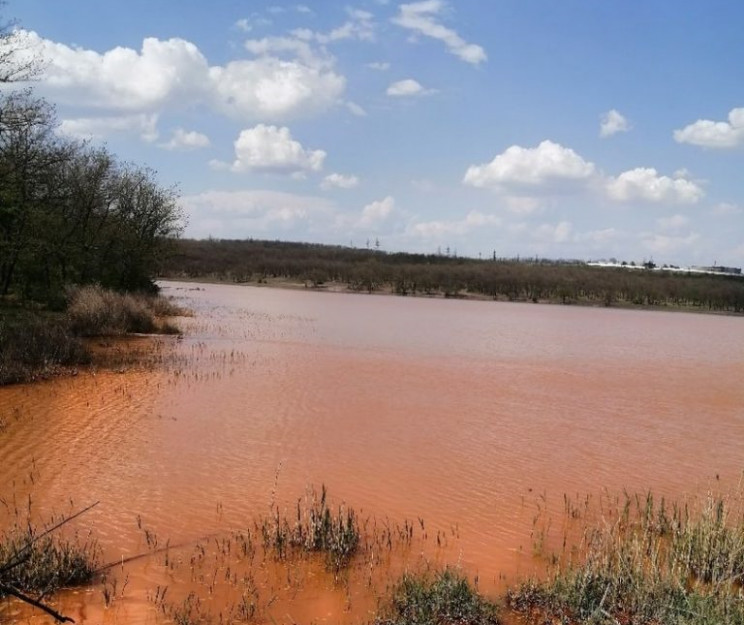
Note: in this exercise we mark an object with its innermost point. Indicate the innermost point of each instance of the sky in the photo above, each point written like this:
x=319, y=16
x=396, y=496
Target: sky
x=574, y=129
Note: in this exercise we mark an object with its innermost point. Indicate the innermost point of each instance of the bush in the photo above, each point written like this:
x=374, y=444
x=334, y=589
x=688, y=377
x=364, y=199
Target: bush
x=32, y=346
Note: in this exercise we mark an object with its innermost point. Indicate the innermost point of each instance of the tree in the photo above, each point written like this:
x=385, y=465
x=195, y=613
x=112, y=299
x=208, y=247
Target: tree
x=70, y=213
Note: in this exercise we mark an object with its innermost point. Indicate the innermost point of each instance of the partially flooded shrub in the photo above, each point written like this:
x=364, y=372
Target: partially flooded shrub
x=440, y=598
x=31, y=346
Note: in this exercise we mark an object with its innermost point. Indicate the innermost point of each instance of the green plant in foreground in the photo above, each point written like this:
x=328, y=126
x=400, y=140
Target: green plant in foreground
x=442, y=598
x=315, y=529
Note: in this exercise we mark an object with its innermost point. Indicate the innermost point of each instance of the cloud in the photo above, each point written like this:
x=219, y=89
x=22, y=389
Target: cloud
x=339, y=181
x=421, y=18
x=175, y=72
x=272, y=149
x=548, y=165
x=379, y=66
x=710, y=134
x=611, y=123
x=645, y=184
x=186, y=140
x=359, y=26
x=239, y=214
x=377, y=212
x=438, y=229
x=98, y=128
x=407, y=88
x=269, y=88
x=522, y=204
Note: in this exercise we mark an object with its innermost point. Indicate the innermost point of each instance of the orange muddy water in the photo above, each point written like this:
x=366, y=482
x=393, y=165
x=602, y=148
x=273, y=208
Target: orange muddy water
x=469, y=419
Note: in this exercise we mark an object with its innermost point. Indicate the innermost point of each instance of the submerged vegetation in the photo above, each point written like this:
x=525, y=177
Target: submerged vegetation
x=526, y=280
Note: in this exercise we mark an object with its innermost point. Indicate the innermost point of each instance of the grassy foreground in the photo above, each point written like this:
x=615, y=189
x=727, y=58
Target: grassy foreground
x=37, y=343
x=641, y=563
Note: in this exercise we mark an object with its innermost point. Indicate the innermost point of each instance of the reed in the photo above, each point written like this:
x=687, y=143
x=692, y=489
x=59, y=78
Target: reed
x=646, y=564
x=316, y=528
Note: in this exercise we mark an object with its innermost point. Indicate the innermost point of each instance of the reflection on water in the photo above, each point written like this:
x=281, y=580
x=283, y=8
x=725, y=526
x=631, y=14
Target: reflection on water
x=468, y=415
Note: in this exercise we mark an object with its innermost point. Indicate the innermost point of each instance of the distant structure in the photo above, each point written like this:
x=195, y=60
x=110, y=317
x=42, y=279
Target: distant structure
x=734, y=271
x=715, y=269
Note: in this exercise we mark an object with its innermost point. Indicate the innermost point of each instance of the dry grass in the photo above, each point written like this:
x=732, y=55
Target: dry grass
x=94, y=311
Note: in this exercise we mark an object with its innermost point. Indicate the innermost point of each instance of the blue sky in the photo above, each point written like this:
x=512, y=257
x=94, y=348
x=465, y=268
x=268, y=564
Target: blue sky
x=571, y=129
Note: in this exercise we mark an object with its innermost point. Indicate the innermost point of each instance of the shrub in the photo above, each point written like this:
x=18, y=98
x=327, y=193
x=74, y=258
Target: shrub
x=32, y=346
x=444, y=597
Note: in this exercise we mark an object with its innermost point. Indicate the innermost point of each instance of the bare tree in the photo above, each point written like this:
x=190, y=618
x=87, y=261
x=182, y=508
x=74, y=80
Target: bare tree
x=18, y=60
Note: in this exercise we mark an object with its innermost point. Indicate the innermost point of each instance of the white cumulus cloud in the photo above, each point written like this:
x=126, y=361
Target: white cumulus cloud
x=407, y=88
x=421, y=18
x=339, y=181
x=710, y=134
x=645, y=184
x=186, y=140
x=611, y=123
x=547, y=165
x=272, y=149
x=271, y=88
x=175, y=72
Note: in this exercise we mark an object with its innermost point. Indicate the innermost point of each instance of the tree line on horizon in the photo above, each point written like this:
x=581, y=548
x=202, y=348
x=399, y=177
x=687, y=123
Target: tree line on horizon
x=532, y=280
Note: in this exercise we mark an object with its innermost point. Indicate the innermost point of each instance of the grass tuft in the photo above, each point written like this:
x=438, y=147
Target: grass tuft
x=316, y=528
x=32, y=561
x=445, y=597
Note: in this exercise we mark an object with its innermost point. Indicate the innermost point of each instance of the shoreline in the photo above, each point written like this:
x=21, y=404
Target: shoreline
x=343, y=288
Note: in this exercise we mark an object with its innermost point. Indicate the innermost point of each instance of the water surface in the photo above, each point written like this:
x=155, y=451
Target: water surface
x=472, y=416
